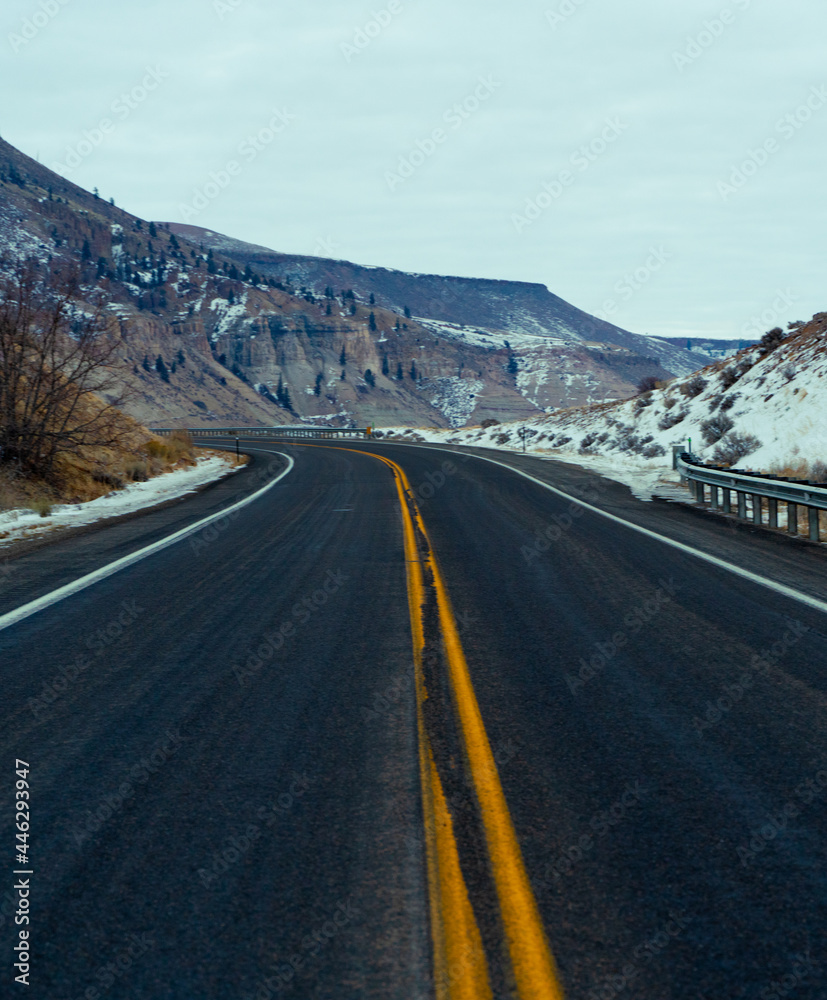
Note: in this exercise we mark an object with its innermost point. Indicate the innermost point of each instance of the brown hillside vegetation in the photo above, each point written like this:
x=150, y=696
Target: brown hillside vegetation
x=94, y=471
x=62, y=435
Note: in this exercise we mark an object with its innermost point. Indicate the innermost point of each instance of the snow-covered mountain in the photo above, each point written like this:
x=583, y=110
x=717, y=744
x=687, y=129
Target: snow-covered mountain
x=764, y=409
x=562, y=356
x=211, y=335
x=510, y=309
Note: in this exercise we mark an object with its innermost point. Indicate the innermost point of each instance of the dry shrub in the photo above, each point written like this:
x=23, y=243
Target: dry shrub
x=771, y=340
x=137, y=472
x=818, y=472
x=694, y=387
x=110, y=479
x=42, y=506
x=20, y=492
x=715, y=428
x=672, y=419
x=799, y=471
x=814, y=472
x=177, y=448
x=11, y=495
x=735, y=447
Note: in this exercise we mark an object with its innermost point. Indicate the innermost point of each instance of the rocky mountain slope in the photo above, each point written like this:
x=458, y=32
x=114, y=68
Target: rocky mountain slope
x=563, y=356
x=764, y=409
x=213, y=336
x=146, y=284
x=510, y=309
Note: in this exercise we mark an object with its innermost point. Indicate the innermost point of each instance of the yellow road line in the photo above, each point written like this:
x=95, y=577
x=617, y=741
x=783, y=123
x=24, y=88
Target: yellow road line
x=459, y=961
x=460, y=971
x=531, y=959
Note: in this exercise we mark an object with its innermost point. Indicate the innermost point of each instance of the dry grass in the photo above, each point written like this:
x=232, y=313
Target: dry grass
x=816, y=472
x=93, y=472
x=174, y=450
x=42, y=506
x=97, y=471
x=21, y=493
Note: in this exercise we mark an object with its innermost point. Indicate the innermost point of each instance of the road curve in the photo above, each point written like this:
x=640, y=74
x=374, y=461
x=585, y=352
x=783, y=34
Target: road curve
x=226, y=744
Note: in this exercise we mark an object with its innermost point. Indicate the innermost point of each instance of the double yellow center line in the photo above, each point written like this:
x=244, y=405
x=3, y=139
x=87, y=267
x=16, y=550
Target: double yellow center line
x=461, y=970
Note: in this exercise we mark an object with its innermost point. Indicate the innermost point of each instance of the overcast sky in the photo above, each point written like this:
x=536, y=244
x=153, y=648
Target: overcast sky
x=570, y=143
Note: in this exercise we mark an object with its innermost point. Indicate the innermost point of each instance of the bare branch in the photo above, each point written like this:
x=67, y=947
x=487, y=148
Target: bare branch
x=56, y=353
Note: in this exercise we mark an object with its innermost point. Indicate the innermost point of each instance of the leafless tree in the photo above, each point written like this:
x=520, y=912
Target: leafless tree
x=56, y=350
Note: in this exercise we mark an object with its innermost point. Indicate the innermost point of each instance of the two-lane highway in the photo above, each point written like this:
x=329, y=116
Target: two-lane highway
x=253, y=777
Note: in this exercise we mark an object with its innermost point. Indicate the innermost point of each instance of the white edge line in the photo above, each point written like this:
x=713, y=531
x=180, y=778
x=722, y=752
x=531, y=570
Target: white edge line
x=745, y=574
x=47, y=600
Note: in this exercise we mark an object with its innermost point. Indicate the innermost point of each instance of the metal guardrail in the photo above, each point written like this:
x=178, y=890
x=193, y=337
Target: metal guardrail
x=323, y=433
x=745, y=493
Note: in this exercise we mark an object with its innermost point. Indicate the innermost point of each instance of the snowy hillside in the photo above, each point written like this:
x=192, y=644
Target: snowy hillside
x=765, y=409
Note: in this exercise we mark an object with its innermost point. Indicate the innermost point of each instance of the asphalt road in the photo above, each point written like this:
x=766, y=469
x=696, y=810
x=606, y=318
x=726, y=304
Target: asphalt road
x=226, y=793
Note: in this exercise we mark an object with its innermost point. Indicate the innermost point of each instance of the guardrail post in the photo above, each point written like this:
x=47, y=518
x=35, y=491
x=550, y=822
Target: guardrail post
x=742, y=505
x=773, y=512
x=757, y=509
x=792, y=518
x=815, y=528
x=727, y=500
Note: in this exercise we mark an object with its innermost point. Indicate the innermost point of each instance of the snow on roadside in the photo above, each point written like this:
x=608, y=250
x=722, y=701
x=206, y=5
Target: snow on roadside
x=17, y=525
x=645, y=478
x=765, y=409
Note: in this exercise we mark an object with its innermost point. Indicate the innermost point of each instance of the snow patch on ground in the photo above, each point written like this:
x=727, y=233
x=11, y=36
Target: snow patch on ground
x=758, y=411
x=343, y=414
x=645, y=479
x=227, y=314
x=454, y=397
x=16, y=241
x=16, y=525
x=491, y=339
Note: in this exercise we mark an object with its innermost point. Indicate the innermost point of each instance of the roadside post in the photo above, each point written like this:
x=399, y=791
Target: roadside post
x=523, y=432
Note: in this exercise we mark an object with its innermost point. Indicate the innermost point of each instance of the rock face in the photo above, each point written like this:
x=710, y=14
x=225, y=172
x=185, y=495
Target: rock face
x=217, y=332
x=504, y=310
